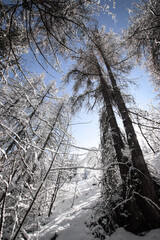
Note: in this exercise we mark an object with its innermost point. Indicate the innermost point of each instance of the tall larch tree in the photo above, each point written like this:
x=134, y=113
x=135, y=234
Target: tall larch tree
x=104, y=50
x=111, y=53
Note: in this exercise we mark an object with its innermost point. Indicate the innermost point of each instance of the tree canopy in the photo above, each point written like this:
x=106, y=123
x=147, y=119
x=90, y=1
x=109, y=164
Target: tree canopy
x=143, y=36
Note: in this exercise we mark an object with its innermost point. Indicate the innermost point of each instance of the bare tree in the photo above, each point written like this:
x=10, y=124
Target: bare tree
x=29, y=139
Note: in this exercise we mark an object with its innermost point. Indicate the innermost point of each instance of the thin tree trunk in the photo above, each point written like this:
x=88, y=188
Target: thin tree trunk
x=54, y=195
x=21, y=132
x=40, y=187
x=47, y=139
x=3, y=213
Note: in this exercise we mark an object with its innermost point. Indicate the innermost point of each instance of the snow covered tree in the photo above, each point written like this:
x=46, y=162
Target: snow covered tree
x=98, y=71
x=33, y=119
x=110, y=173
x=45, y=29
x=116, y=64
x=30, y=137
x=110, y=181
x=88, y=75
x=143, y=36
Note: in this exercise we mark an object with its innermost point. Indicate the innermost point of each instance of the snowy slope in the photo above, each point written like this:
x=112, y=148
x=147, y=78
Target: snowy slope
x=76, y=205
x=67, y=220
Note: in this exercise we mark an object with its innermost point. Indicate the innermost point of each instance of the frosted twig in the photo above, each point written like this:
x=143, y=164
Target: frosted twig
x=12, y=136
x=90, y=168
x=126, y=200
x=86, y=149
x=71, y=124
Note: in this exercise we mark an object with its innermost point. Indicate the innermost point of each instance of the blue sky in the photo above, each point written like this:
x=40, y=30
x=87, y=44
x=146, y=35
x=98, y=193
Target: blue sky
x=121, y=13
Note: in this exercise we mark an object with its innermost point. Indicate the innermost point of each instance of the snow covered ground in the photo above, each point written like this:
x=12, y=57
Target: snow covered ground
x=68, y=218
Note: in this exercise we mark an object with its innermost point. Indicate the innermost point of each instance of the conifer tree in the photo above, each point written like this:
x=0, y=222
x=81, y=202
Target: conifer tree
x=99, y=70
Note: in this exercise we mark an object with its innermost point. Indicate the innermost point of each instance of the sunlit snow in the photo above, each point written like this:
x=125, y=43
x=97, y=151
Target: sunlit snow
x=75, y=206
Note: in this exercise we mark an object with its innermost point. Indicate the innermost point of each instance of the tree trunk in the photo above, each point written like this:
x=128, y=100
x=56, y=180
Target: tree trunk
x=54, y=194
x=143, y=187
x=41, y=184
x=117, y=139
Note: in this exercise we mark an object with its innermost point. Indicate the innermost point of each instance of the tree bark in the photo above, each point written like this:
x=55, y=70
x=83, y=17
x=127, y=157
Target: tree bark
x=146, y=198
x=54, y=194
x=116, y=135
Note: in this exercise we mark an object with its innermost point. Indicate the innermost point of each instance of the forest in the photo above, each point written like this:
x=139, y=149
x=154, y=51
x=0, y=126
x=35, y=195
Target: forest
x=42, y=177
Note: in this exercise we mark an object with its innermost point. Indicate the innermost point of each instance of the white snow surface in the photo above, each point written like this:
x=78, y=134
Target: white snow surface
x=71, y=210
